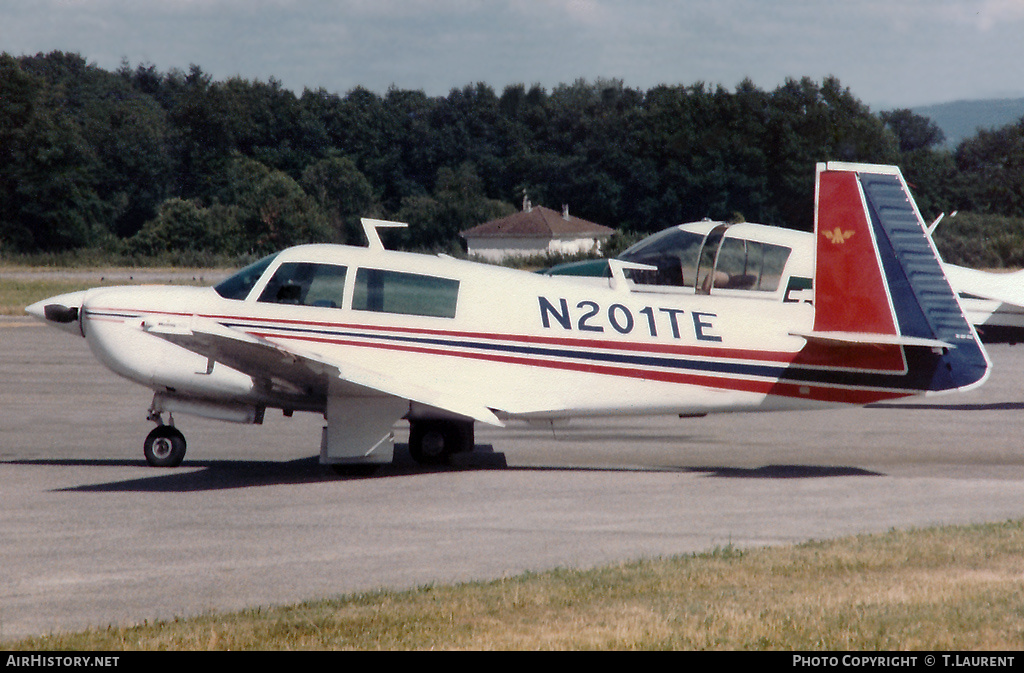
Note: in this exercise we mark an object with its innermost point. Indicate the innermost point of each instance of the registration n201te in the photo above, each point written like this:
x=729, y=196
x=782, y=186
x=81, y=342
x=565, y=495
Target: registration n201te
x=591, y=316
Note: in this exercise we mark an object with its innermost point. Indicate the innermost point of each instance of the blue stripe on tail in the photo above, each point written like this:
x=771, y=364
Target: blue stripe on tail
x=922, y=298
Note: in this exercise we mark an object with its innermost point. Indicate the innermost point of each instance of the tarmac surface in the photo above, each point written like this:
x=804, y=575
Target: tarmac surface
x=91, y=536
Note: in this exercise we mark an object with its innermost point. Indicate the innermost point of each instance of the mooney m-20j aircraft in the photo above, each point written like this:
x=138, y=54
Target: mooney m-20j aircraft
x=368, y=336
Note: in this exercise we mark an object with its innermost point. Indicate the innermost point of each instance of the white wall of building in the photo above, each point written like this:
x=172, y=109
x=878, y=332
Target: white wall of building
x=498, y=248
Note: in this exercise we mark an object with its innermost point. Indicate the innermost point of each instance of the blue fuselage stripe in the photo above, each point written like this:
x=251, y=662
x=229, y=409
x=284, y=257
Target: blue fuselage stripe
x=784, y=372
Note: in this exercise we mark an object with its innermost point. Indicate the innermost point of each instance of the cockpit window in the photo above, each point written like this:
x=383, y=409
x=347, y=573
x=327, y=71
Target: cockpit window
x=306, y=284
x=240, y=284
x=674, y=252
x=406, y=293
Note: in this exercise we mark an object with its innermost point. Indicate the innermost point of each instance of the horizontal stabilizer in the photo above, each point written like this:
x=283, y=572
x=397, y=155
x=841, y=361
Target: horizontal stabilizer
x=869, y=339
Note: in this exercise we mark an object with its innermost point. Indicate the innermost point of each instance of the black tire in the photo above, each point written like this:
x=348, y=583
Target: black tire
x=432, y=442
x=164, y=447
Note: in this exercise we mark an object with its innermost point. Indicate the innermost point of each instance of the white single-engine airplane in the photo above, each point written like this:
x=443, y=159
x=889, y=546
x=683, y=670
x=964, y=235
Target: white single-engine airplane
x=368, y=336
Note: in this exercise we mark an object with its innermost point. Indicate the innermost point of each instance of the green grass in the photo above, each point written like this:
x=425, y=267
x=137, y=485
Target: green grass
x=23, y=289
x=16, y=294
x=957, y=588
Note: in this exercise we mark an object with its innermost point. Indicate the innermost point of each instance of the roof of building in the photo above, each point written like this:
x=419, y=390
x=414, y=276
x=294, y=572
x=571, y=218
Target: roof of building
x=539, y=222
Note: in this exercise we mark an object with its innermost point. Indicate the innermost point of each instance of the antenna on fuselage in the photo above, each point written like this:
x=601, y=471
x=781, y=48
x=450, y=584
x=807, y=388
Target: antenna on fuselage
x=618, y=268
x=370, y=227
x=934, y=225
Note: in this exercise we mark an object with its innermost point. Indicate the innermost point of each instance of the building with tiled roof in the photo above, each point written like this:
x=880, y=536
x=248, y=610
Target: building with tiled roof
x=535, y=230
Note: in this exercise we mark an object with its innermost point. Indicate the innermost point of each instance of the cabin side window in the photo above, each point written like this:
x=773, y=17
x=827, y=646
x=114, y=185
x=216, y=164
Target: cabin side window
x=385, y=291
x=775, y=259
x=749, y=265
x=306, y=284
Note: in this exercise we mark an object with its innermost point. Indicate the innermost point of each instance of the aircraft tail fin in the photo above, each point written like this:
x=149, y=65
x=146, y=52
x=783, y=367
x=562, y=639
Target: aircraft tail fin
x=879, y=279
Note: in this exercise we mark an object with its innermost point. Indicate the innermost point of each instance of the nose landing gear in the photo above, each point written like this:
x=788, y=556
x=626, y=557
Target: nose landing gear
x=164, y=446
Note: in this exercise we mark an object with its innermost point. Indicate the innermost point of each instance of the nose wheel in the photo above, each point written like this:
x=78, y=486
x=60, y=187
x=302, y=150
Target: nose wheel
x=164, y=447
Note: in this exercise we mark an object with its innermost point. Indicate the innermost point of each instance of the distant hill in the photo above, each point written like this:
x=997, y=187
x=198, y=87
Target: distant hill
x=962, y=119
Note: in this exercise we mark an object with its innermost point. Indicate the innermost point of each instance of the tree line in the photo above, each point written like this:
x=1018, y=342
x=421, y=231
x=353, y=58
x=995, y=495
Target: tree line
x=145, y=162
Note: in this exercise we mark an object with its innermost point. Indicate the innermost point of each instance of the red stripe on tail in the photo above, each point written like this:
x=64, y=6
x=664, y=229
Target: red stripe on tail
x=850, y=292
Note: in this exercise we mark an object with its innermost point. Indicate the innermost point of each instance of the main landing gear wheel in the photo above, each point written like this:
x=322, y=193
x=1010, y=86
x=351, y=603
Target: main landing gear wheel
x=432, y=442
x=165, y=447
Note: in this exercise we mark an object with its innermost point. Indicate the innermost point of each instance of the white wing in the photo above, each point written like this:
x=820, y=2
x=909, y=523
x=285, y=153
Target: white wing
x=309, y=373
x=1005, y=287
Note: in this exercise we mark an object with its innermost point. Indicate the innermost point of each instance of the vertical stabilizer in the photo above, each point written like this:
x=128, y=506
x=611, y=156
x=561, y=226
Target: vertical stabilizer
x=850, y=288
x=878, y=278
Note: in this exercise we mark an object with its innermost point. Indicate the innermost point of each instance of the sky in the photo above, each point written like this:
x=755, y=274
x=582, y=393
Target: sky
x=890, y=53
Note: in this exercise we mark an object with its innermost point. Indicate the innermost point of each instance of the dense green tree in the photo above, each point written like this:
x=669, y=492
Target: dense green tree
x=925, y=164
x=20, y=95
x=457, y=204
x=166, y=160
x=182, y=225
x=343, y=193
x=273, y=211
x=49, y=177
x=807, y=124
x=990, y=167
x=913, y=132
x=931, y=175
x=122, y=131
x=370, y=131
x=981, y=241
x=205, y=133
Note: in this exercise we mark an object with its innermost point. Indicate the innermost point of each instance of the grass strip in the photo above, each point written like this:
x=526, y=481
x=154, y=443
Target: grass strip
x=17, y=293
x=951, y=588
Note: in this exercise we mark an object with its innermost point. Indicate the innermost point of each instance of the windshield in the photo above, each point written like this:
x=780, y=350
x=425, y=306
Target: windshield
x=239, y=285
x=673, y=251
